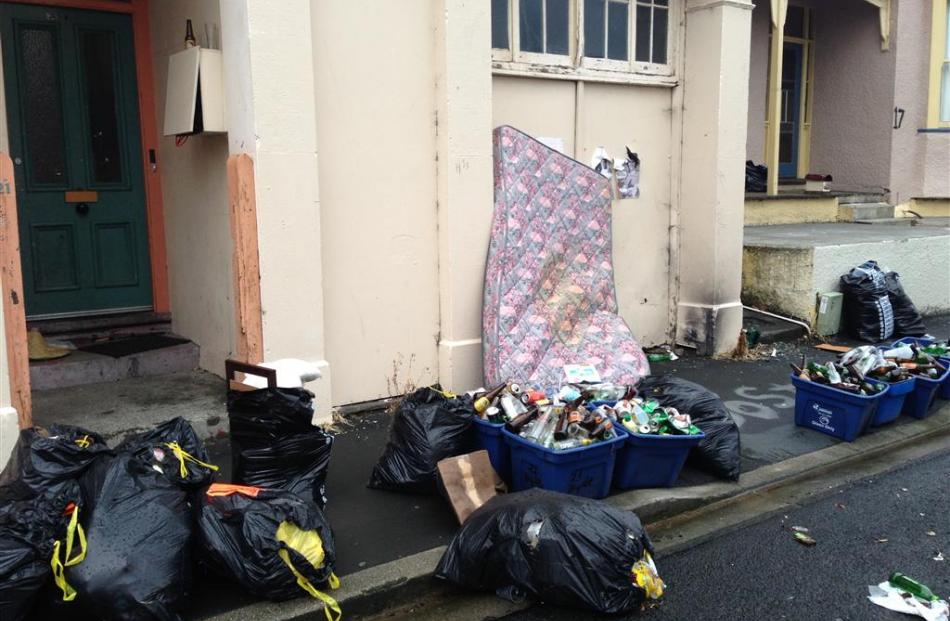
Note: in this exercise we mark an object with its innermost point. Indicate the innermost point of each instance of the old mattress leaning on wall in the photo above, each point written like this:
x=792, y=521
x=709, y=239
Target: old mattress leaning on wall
x=549, y=288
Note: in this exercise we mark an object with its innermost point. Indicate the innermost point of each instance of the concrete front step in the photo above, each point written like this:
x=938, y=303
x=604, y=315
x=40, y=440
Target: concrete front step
x=81, y=367
x=860, y=199
x=851, y=212
x=785, y=267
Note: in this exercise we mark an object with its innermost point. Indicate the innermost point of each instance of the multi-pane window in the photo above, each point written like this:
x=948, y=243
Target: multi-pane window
x=615, y=35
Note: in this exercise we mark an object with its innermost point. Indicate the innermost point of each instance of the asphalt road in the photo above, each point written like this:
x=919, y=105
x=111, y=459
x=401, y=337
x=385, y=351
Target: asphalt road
x=760, y=572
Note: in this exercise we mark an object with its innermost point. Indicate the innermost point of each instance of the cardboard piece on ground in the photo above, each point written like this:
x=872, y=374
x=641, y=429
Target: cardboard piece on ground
x=469, y=482
x=836, y=348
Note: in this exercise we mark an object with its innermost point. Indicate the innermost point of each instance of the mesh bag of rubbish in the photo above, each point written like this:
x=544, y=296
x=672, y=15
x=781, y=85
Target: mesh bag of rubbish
x=139, y=525
x=38, y=537
x=274, y=543
x=907, y=321
x=429, y=426
x=719, y=451
x=274, y=444
x=868, y=314
x=42, y=458
x=560, y=549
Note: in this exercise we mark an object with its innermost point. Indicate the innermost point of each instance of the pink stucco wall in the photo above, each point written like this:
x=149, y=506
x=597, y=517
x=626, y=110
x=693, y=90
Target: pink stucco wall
x=920, y=166
x=854, y=96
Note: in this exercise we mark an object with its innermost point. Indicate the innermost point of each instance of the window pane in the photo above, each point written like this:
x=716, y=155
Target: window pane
x=643, y=33
x=499, y=24
x=795, y=22
x=594, y=28
x=661, y=2
x=98, y=67
x=945, y=93
x=530, y=26
x=660, y=26
x=558, y=19
x=617, y=30
x=42, y=106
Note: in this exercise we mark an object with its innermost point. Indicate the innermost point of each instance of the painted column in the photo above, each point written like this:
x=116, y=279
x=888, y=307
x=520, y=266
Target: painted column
x=464, y=185
x=712, y=193
x=269, y=85
x=779, y=9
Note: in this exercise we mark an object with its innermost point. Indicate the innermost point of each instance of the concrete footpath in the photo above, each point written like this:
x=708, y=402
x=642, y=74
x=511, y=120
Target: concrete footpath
x=389, y=543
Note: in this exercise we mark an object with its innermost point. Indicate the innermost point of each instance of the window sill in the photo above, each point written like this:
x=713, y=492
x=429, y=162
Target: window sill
x=580, y=74
x=934, y=130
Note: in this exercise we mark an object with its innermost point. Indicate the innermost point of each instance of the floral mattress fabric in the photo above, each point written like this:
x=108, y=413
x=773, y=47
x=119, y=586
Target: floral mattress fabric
x=549, y=288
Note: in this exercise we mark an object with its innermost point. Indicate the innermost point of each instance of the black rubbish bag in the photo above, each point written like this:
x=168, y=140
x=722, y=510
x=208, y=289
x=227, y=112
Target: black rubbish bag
x=756, y=177
x=43, y=458
x=719, y=452
x=274, y=543
x=428, y=427
x=175, y=449
x=868, y=314
x=139, y=527
x=29, y=532
x=907, y=321
x=560, y=549
x=274, y=444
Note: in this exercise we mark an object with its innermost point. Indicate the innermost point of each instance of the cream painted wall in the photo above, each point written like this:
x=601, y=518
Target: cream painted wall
x=194, y=190
x=374, y=79
x=612, y=116
x=920, y=162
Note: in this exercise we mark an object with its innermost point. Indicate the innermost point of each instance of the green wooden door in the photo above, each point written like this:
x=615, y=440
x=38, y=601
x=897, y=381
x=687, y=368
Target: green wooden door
x=72, y=115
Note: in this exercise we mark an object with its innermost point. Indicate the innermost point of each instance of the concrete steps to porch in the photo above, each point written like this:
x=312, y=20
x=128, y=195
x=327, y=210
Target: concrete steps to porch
x=862, y=212
x=87, y=367
x=785, y=267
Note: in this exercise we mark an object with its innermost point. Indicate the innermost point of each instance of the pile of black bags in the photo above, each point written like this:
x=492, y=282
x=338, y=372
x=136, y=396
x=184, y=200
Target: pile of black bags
x=275, y=445
x=876, y=307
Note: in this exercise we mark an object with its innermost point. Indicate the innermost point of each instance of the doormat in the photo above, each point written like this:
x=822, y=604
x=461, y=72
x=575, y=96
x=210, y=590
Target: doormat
x=126, y=347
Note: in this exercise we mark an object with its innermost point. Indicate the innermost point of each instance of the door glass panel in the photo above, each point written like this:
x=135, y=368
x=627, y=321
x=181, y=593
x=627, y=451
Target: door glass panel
x=42, y=107
x=103, y=127
x=795, y=22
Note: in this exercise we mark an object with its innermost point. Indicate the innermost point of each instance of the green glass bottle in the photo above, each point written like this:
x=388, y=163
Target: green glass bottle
x=913, y=587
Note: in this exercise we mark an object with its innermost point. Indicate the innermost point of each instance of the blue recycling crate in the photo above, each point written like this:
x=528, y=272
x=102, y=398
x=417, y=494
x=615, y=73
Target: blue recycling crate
x=914, y=340
x=651, y=460
x=831, y=411
x=585, y=471
x=920, y=401
x=892, y=402
x=944, y=392
x=488, y=436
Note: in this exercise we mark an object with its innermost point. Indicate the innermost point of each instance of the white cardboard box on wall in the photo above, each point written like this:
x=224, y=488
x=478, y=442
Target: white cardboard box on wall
x=194, y=97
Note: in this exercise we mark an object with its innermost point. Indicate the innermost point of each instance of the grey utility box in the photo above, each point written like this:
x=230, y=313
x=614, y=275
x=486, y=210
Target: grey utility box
x=828, y=321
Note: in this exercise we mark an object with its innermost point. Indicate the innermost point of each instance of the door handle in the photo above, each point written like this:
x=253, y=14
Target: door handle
x=82, y=208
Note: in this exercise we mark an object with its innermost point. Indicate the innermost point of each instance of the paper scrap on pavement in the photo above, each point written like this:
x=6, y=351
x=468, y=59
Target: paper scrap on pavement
x=892, y=598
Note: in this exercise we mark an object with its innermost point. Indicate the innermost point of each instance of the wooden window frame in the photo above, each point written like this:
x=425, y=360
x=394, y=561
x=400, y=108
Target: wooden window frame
x=575, y=66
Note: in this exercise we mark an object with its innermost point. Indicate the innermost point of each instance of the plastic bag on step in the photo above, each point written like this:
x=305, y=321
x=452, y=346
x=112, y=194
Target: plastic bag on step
x=274, y=543
x=275, y=445
x=43, y=458
x=719, y=452
x=907, y=321
x=429, y=426
x=560, y=549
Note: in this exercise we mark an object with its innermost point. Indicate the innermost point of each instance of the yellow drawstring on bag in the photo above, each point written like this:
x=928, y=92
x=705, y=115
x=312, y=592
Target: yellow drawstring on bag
x=183, y=456
x=83, y=442
x=308, y=544
x=59, y=567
